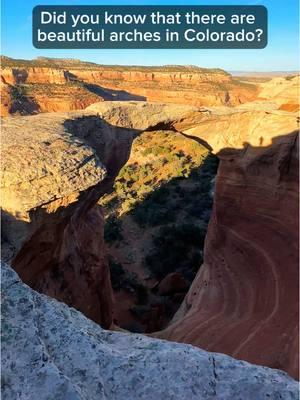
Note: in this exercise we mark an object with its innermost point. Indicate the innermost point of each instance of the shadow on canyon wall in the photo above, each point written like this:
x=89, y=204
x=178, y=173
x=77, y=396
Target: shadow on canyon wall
x=24, y=104
x=105, y=93
x=112, y=95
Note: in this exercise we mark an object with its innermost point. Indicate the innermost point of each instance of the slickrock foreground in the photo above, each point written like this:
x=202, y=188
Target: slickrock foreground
x=51, y=351
x=244, y=301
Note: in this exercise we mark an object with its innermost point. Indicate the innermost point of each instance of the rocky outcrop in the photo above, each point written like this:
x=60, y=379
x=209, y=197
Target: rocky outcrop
x=204, y=88
x=55, y=167
x=141, y=115
x=39, y=98
x=284, y=92
x=205, y=94
x=225, y=128
x=172, y=283
x=244, y=300
x=60, y=98
x=50, y=351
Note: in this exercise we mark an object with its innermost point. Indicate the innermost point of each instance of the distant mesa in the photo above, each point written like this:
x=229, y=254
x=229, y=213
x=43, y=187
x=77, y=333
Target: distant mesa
x=55, y=84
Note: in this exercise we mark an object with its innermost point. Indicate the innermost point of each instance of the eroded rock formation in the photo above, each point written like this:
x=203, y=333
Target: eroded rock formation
x=244, y=300
x=55, y=168
x=54, y=352
x=282, y=91
x=52, y=179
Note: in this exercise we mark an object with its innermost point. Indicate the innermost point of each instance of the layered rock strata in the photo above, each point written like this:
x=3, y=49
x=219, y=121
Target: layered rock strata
x=98, y=73
x=244, y=301
x=64, y=85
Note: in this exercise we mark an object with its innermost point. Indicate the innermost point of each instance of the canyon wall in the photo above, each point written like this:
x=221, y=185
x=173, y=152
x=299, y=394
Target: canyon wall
x=244, y=300
x=58, y=75
x=55, y=167
x=47, y=85
x=29, y=75
x=31, y=87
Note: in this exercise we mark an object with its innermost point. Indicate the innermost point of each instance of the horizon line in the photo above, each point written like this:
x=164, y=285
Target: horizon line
x=156, y=65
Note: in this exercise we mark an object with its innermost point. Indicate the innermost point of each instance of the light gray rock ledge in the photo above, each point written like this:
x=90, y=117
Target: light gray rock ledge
x=51, y=351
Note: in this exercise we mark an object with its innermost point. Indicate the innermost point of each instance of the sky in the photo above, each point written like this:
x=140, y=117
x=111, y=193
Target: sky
x=281, y=53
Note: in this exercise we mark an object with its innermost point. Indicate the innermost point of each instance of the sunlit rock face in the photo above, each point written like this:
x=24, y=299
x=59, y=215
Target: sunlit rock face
x=282, y=91
x=55, y=168
x=57, y=85
x=244, y=300
x=51, y=351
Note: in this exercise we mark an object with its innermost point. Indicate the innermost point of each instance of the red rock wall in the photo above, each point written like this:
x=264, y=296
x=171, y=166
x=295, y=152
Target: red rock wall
x=244, y=301
x=140, y=76
x=32, y=75
x=56, y=75
x=79, y=274
x=62, y=252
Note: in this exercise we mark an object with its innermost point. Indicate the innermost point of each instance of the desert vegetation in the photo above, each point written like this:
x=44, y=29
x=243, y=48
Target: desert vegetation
x=157, y=216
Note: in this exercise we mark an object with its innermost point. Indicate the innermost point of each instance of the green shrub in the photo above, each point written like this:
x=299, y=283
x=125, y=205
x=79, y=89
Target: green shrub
x=156, y=150
x=177, y=248
x=122, y=279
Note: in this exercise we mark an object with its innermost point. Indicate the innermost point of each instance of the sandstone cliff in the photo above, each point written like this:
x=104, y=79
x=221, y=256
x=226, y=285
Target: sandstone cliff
x=47, y=180
x=39, y=80
x=96, y=73
x=27, y=99
x=50, y=351
x=244, y=300
x=32, y=75
x=55, y=167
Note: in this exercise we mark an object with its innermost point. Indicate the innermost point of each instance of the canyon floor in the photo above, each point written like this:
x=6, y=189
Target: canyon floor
x=154, y=200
